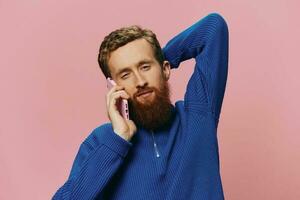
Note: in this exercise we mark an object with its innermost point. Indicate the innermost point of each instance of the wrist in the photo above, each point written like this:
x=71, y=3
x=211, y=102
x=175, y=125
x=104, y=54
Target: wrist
x=124, y=136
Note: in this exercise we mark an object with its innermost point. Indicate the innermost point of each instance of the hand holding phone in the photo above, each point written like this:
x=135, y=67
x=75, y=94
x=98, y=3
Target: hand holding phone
x=117, y=110
x=122, y=104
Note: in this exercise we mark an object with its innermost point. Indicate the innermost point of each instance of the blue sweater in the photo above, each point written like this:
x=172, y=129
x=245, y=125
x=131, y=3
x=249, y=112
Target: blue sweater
x=179, y=163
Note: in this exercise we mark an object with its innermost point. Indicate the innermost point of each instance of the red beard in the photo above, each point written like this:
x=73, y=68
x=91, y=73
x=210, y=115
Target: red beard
x=152, y=115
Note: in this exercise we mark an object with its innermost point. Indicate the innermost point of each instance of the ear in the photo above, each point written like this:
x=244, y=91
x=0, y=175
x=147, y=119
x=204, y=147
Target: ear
x=166, y=69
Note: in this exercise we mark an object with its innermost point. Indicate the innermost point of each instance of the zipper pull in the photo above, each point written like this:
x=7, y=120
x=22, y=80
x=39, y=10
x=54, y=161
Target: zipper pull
x=155, y=146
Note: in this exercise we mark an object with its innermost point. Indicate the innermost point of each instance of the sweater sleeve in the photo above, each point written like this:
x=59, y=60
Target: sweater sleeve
x=97, y=160
x=207, y=42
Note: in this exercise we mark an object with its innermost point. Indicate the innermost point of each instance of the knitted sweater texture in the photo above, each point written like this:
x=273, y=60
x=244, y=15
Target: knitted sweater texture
x=181, y=162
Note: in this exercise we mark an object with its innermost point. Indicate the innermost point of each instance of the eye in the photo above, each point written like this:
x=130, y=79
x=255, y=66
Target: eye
x=124, y=76
x=145, y=67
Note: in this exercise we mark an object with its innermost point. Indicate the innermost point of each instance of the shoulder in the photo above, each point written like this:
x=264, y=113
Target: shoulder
x=94, y=138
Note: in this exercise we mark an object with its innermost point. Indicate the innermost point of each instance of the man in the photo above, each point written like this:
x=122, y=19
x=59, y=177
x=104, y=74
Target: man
x=162, y=151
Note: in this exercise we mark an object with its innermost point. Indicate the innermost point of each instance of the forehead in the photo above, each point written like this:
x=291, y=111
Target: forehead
x=130, y=54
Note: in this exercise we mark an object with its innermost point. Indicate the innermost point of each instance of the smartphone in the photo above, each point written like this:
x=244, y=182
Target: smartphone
x=122, y=104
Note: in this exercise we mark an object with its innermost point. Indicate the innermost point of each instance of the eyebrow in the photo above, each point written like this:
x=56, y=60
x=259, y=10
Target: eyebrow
x=141, y=62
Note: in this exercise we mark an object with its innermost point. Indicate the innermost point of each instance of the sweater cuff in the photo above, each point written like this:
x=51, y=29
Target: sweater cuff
x=115, y=142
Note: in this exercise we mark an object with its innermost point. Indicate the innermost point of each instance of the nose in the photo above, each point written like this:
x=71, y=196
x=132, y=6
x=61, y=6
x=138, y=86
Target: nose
x=140, y=81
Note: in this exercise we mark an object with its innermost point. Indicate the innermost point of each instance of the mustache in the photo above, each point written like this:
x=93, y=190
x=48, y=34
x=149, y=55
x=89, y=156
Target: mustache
x=143, y=91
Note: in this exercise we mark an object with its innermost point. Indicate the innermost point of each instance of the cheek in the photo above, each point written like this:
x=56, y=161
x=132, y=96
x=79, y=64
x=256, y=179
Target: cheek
x=157, y=79
x=130, y=91
x=129, y=86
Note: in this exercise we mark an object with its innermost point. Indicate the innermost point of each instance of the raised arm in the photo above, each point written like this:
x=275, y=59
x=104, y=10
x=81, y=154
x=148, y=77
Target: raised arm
x=99, y=157
x=206, y=41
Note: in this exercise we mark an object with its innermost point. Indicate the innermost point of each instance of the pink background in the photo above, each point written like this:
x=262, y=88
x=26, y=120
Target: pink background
x=52, y=90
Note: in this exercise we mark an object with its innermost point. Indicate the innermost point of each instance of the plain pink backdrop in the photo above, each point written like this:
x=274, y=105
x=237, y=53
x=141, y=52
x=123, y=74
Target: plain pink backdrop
x=52, y=90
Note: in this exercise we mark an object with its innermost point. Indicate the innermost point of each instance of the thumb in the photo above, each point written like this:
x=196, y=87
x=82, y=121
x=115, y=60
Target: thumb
x=131, y=125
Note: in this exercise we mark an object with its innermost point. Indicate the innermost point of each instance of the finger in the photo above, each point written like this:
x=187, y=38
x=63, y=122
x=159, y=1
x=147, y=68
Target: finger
x=114, y=97
x=131, y=125
x=113, y=90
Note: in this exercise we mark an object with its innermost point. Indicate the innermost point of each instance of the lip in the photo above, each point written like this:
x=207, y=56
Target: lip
x=145, y=93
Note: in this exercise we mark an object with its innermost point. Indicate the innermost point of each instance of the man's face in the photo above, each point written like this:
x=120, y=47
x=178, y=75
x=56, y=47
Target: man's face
x=134, y=67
